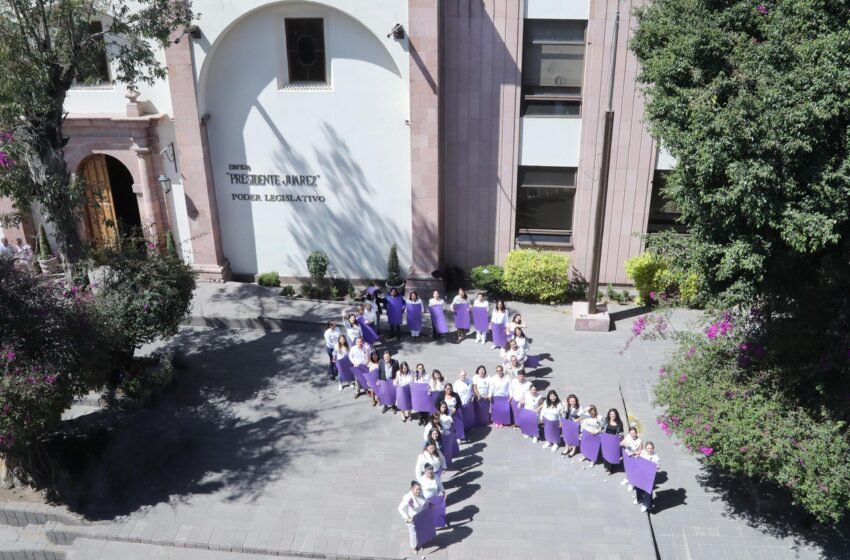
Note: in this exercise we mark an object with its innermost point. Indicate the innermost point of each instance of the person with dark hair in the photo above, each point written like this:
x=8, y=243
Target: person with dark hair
x=411, y=504
x=641, y=496
x=332, y=334
x=592, y=423
x=449, y=398
x=571, y=412
x=461, y=299
x=481, y=301
x=413, y=301
x=431, y=484
x=499, y=318
x=613, y=425
x=632, y=446
x=374, y=364
x=387, y=371
x=352, y=329
x=500, y=386
x=395, y=330
x=431, y=455
x=437, y=381
x=404, y=377
x=438, y=301
x=340, y=350
x=533, y=402
x=551, y=410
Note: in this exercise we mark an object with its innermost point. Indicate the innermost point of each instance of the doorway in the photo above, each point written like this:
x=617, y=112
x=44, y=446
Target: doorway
x=113, y=207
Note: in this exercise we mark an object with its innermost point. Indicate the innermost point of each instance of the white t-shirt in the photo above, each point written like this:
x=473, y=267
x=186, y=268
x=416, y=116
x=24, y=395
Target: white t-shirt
x=463, y=390
x=411, y=505
x=500, y=386
x=353, y=332
x=436, y=385
x=531, y=402
x=446, y=423
x=403, y=379
x=358, y=356
x=483, y=384
x=549, y=412
x=499, y=317
x=331, y=337
x=452, y=402
x=437, y=461
x=477, y=303
x=438, y=302
x=370, y=315
x=646, y=455
x=592, y=425
x=518, y=390
x=458, y=301
x=431, y=486
x=631, y=445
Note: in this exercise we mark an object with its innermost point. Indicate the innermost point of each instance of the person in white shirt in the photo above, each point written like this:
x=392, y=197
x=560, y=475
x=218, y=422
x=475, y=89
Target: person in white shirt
x=572, y=413
x=431, y=485
x=450, y=398
x=359, y=355
x=591, y=423
x=632, y=446
x=370, y=313
x=460, y=299
x=511, y=351
x=437, y=381
x=432, y=456
x=533, y=402
x=404, y=377
x=6, y=252
x=352, y=329
x=462, y=388
x=520, y=339
x=332, y=334
x=444, y=412
x=24, y=253
x=641, y=496
x=413, y=301
x=340, y=350
x=517, y=321
x=551, y=410
x=500, y=386
x=499, y=316
x=421, y=376
x=411, y=504
x=481, y=384
x=513, y=368
x=436, y=299
x=481, y=336
x=519, y=386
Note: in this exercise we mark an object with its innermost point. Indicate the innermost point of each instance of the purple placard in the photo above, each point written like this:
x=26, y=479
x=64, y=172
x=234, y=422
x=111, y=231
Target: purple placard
x=419, y=398
x=482, y=412
x=481, y=318
x=438, y=319
x=527, y=422
x=343, y=368
x=590, y=445
x=435, y=397
x=468, y=411
x=395, y=310
x=369, y=334
x=611, y=450
x=414, y=317
x=532, y=362
x=552, y=431
x=439, y=511
x=462, y=316
x=458, y=424
x=423, y=522
x=640, y=472
x=448, y=449
x=371, y=290
x=514, y=410
x=570, y=431
x=499, y=336
x=501, y=411
x=386, y=392
x=360, y=375
x=402, y=397
x=372, y=379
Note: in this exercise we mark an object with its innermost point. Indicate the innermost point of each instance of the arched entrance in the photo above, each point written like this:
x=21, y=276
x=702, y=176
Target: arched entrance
x=113, y=207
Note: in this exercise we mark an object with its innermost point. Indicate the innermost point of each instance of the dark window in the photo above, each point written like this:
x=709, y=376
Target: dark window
x=94, y=69
x=663, y=212
x=552, y=67
x=545, y=205
x=305, y=50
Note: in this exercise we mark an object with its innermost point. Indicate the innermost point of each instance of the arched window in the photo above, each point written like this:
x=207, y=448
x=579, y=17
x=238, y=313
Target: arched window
x=305, y=50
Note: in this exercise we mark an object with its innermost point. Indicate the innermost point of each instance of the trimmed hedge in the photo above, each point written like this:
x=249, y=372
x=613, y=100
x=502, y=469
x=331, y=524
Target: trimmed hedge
x=488, y=278
x=537, y=275
x=269, y=279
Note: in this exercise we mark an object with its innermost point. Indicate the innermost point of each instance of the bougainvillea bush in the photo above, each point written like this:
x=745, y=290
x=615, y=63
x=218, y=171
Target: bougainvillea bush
x=722, y=395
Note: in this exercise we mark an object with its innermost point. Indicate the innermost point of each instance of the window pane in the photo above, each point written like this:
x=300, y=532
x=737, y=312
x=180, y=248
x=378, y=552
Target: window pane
x=553, y=65
x=564, y=177
x=663, y=212
x=554, y=31
x=545, y=208
x=544, y=238
x=551, y=108
x=305, y=49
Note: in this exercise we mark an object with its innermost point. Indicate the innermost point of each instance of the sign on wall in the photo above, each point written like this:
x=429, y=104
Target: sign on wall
x=240, y=174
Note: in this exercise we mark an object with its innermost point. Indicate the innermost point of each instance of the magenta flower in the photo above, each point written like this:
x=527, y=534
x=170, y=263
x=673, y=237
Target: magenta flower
x=10, y=356
x=6, y=160
x=651, y=295
x=683, y=378
x=662, y=372
x=762, y=9
x=707, y=451
x=638, y=326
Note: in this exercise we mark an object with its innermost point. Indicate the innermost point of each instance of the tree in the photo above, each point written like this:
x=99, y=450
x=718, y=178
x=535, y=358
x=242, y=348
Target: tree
x=45, y=46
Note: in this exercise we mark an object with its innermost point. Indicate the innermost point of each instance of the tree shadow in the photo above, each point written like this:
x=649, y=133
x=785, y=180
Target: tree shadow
x=769, y=508
x=219, y=428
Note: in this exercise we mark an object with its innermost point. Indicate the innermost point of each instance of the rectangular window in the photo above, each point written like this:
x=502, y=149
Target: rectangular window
x=663, y=212
x=305, y=50
x=552, y=67
x=94, y=70
x=545, y=205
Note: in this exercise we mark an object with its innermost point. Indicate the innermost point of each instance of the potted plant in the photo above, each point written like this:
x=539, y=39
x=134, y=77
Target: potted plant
x=394, y=279
x=46, y=260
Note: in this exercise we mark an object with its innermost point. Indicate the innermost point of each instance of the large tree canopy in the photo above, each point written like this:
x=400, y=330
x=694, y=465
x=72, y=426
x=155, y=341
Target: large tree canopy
x=45, y=45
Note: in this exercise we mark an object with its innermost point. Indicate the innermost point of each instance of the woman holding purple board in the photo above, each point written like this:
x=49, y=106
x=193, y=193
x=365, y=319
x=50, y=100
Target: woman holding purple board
x=533, y=402
x=404, y=377
x=411, y=504
x=516, y=323
x=436, y=301
x=572, y=411
x=591, y=423
x=632, y=446
x=430, y=456
x=500, y=386
x=614, y=426
x=373, y=364
x=413, y=302
x=460, y=299
x=394, y=316
x=480, y=301
x=642, y=496
x=499, y=317
x=551, y=412
x=340, y=350
x=437, y=381
x=450, y=398
x=431, y=485
x=352, y=329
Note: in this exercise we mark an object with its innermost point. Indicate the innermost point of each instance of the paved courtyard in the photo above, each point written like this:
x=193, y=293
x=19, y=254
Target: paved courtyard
x=256, y=453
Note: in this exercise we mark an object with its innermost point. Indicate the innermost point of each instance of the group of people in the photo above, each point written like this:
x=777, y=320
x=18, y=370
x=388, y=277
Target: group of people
x=469, y=397
x=20, y=251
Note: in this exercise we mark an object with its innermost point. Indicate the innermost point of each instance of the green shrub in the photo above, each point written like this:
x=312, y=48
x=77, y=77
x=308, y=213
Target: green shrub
x=287, y=291
x=146, y=377
x=649, y=273
x=537, y=275
x=44, y=251
x=269, y=279
x=393, y=268
x=317, y=264
x=488, y=278
x=170, y=246
x=615, y=295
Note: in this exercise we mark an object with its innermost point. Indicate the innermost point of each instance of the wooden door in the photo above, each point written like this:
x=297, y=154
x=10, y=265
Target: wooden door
x=102, y=223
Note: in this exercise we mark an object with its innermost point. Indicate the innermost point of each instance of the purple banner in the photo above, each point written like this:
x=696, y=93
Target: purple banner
x=611, y=450
x=436, y=397
x=439, y=511
x=570, y=431
x=462, y=316
x=423, y=522
x=482, y=412
x=448, y=448
x=372, y=379
x=438, y=319
x=532, y=362
x=360, y=375
x=552, y=431
x=480, y=316
x=343, y=368
x=414, y=316
x=395, y=309
x=514, y=410
x=527, y=422
x=419, y=398
x=501, y=411
x=402, y=397
x=469, y=415
x=640, y=472
x=369, y=334
x=386, y=392
x=458, y=424
x=499, y=336
x=590, y=445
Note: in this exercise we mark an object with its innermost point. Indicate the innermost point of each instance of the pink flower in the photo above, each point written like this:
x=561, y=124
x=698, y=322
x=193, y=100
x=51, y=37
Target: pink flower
x=762, y=9
x=691, y=351
x=707, y=451
x=651, y=295
x=6, y=160
x=638, y=326
x=683, y=378
x=10, y=356
x=707, y=427
x=662, y=372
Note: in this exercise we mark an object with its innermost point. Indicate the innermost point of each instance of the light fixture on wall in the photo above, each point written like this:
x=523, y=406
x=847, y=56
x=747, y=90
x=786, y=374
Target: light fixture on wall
x=165, y=183
x=168, y=153
x=397, y=32
x=192, y=31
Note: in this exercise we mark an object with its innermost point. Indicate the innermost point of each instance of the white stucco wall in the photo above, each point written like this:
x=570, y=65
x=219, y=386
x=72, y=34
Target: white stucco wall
x=550, y=141
x=557, y=9
x=664, y=161
x=352, y=134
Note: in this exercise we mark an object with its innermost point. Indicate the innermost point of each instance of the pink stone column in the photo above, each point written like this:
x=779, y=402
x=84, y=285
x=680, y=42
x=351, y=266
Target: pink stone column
x=25, y=229
x=150, y=194
x=195, y=168
x=424, y=50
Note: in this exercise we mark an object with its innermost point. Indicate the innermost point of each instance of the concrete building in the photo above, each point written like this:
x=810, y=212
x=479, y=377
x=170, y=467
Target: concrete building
x=458, y=129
